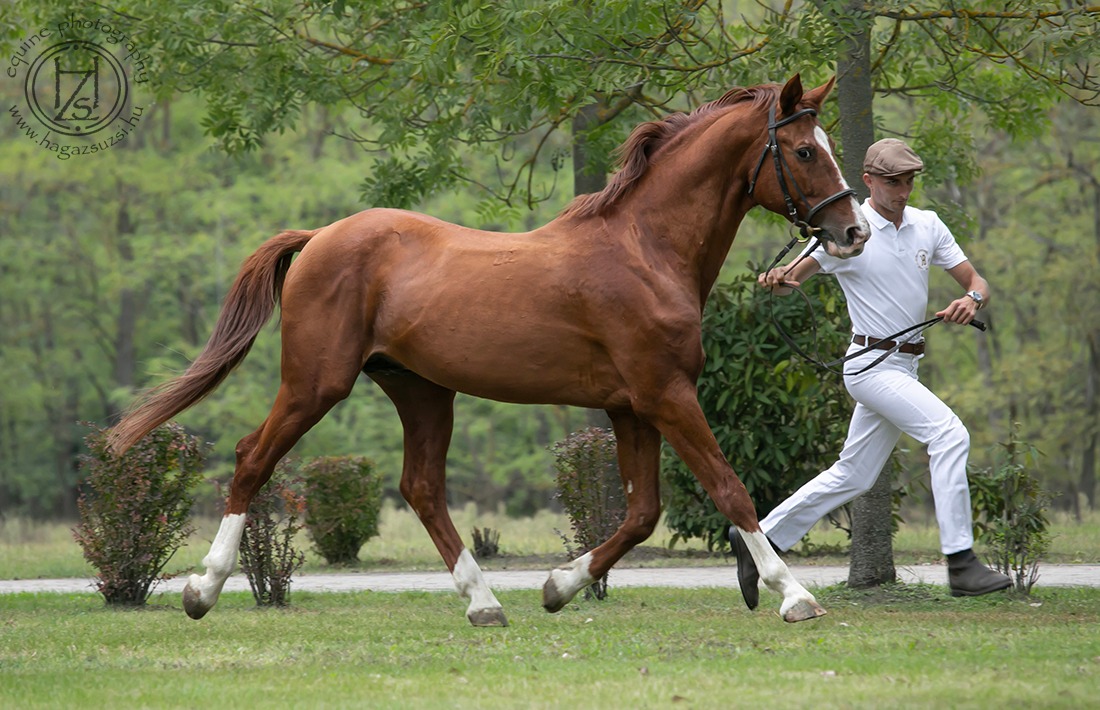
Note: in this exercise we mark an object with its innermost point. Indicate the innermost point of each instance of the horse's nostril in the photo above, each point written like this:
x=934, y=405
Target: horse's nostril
x=856, y=235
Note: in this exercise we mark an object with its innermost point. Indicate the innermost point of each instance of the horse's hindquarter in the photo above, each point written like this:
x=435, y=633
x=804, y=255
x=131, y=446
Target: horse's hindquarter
x=533, y=317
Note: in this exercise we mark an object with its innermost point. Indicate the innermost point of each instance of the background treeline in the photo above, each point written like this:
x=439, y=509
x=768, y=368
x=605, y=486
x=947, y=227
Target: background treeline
x=115, y=269
x=285, y=114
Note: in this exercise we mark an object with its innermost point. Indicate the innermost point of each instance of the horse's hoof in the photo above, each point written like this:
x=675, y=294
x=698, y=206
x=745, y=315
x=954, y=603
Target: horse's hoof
x=193, y=604
x=803, y=611
x=552, y=599
x=487, y=617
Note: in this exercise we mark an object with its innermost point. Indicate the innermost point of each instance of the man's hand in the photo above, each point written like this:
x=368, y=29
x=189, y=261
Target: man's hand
x=961, y=311
x=776, y=281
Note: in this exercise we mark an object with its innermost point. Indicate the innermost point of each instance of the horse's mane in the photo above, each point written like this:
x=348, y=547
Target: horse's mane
x=646, y=139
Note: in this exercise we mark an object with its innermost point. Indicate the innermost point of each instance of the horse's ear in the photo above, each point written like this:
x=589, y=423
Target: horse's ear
x=791, y=95
x=817, y=96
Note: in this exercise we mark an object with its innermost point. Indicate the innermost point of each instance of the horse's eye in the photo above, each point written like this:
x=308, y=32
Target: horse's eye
x=805, y=153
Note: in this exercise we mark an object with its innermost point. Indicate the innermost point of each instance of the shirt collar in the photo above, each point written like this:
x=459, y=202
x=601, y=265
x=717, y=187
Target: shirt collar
x=880, y=222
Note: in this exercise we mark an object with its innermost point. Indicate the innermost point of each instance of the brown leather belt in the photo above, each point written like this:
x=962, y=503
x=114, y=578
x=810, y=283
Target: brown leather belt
x=907, y=348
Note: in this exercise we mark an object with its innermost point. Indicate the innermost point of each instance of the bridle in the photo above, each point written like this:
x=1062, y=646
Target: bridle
x=806, y=230
x=782, y=169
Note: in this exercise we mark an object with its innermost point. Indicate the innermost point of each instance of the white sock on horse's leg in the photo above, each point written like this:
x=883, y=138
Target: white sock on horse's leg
x=201, y=593
x=565, y=581
x=484, y=609
x=798, y=603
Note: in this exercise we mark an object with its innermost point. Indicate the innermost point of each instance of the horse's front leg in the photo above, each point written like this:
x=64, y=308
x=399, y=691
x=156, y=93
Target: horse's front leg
x=639, y=453
x=798, y=604
x=683, y=424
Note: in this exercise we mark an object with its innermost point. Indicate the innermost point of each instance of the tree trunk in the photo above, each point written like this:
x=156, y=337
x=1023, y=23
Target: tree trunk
x=855, y=97
x=1087, y=481
x=125, y=363
x=586, y=181
x=872, y=554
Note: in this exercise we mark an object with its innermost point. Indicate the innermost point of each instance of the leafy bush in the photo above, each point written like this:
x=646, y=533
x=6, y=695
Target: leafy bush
x=591, y=492
x=778, y=419
x=134, y=510
x=1010, y=517
x=343, y=499
x=268, y=555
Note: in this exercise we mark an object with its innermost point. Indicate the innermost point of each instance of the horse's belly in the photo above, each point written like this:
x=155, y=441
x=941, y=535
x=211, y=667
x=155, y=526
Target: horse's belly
x=512, y=363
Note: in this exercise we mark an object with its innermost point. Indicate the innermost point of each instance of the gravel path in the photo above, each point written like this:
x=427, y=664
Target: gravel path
x=682, y=577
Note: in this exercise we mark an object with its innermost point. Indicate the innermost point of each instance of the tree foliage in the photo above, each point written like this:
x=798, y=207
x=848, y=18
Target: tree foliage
x=116, y=262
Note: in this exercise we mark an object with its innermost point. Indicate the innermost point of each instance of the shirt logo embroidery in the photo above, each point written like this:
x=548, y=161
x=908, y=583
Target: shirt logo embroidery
x=922, y=259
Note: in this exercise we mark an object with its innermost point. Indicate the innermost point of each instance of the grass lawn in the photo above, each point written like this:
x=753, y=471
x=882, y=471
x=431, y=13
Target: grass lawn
x=909, y=646
x=906, y=646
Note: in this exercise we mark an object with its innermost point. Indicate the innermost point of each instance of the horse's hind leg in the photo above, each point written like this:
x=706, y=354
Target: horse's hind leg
x=639, y=453
x=305, y=396
x=427, y=415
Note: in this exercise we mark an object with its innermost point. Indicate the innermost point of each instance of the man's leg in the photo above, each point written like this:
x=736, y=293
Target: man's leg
x=871, y=438
x=917, y=411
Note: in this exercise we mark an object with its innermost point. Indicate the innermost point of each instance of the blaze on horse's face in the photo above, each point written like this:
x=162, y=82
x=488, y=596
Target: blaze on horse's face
x=814, y=177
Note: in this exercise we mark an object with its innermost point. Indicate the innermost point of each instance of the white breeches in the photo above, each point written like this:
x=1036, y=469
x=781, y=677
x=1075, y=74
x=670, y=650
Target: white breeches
x=889, y=400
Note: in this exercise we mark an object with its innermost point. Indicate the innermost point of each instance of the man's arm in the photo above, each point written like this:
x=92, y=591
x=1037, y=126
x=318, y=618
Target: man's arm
x=962, y=310
x=778, y=278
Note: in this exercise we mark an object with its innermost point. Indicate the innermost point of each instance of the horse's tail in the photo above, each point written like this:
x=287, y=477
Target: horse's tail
x=248, y=306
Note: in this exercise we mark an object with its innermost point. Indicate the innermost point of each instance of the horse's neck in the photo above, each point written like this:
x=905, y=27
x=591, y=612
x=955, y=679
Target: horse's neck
x=694, y=199
x=692, y=220
x=716, y=249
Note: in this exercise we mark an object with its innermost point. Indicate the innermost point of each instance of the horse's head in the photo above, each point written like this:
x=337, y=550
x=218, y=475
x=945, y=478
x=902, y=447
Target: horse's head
x=797, y=174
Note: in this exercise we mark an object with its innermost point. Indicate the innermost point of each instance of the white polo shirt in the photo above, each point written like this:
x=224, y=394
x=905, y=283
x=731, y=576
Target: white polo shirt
x=887, y=285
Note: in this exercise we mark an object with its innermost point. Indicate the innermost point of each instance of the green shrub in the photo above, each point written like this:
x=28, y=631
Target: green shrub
x=343, y=498
x=268, y=555
x=591, y=492
x=135, y=509
x=1010, y=516
x=778, y=419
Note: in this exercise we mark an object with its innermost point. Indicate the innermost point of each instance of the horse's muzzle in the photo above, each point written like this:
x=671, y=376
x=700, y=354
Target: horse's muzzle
x=851, y=245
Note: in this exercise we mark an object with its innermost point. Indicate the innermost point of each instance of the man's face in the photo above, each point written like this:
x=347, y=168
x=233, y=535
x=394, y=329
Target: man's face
x=889, y=195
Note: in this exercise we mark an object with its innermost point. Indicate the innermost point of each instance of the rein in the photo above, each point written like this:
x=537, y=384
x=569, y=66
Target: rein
x=871, y=345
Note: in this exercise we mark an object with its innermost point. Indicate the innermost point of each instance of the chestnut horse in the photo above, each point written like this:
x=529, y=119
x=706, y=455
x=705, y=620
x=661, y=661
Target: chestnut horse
x=600, y=308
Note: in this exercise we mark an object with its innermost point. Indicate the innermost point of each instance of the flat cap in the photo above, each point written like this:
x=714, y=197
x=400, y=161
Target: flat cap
x=890, y=157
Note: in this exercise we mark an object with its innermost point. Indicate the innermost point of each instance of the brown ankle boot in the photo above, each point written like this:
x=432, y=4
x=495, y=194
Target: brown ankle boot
x=968, y=577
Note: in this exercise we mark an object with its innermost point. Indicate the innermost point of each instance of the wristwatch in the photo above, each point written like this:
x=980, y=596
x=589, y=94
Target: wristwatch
x=977, y=296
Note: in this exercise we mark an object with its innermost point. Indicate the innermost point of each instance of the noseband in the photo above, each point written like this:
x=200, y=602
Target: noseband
x=782, y=169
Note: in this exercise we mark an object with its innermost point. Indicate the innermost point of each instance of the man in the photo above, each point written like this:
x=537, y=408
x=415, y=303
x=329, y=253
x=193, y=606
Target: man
x=887, y=291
